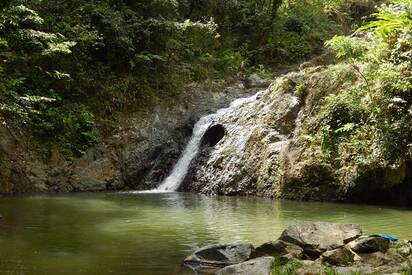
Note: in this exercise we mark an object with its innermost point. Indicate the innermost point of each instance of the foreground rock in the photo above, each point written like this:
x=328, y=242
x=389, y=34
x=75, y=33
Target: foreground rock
x=341, y=256
x=308, y=248
x=401, y=247
x=317, y=237
x=278, y=248
x=258, y=266
x=370, y=244
x=218, y=256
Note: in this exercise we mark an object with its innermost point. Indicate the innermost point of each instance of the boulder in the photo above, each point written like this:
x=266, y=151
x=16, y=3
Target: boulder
x=341, y=256
x=401, y=247
x=369, y=244
x=255, y=81
x=261, y=266
x=318, y=237
x=278, y=248
x=393, y=269
x=309, y=268
x=377, y=259
x=219, y=256
x=356, y=269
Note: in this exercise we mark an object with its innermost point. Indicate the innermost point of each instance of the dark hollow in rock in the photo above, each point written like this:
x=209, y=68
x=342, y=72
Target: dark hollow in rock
x=213, y=135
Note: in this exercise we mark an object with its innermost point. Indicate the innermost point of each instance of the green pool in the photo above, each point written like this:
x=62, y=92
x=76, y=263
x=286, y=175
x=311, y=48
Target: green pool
x=125, y=233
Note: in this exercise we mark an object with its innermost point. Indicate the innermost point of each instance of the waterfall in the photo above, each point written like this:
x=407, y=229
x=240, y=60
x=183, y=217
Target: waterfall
x=173, y=181
x=179, y=172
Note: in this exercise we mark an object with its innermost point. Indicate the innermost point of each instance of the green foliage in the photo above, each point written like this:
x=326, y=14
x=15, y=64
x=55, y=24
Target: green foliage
x=408, y=270
x=32, y=81
x=330, y=271
x=347, y=47
x=102, y=57
x=390, y=20
x=264, y=73
x=365, y=122
x=71, y=126
x=285, y=267
x=301, y=91
x=291, y=36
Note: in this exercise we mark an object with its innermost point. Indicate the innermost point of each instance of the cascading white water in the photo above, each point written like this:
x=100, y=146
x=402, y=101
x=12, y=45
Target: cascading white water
x=176, y=177
x=173, y=181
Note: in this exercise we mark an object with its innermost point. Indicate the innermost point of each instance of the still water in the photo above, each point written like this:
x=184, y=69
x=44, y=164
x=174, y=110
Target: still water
x=144, y=234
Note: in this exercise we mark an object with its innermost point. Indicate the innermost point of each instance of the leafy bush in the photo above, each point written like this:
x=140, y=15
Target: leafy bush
x=71, y=126
x=366, y=123
x=347, y=47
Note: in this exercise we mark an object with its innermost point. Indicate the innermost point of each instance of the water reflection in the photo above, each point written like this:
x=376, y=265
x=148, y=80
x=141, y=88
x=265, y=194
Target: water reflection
x=151, y=233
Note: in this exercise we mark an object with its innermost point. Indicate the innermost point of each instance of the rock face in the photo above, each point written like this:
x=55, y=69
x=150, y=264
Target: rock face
x=270, y=148
x=138, y=152
x=216, y=256
x=255, y=81
x=293, y=253
x=317, y=237
x=262, y=152
x=244, y=160
x=260, y=266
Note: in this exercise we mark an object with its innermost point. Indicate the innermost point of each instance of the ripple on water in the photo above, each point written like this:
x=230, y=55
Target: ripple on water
x=134, y=233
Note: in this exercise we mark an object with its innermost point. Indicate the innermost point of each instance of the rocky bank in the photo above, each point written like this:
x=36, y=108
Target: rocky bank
x=261, y=148
x=308, y=248
x=137, y=153
x=266, y=149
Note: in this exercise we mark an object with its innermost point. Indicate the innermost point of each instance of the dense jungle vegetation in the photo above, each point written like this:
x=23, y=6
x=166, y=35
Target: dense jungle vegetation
x=362, y=126
x=66, y=66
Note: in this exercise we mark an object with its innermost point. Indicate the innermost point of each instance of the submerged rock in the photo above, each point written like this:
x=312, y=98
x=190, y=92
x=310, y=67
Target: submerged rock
x=218, y=256
x=258, y=266
x=317, y=237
